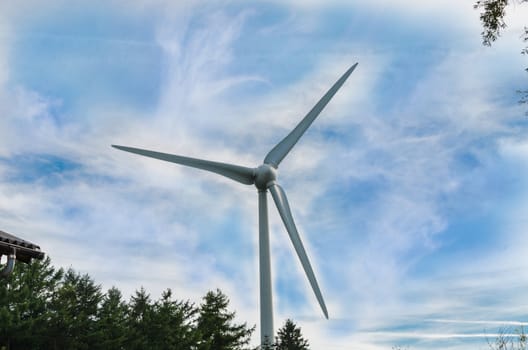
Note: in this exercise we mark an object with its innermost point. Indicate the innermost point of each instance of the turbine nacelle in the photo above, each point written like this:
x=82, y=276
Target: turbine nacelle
x=264, y=176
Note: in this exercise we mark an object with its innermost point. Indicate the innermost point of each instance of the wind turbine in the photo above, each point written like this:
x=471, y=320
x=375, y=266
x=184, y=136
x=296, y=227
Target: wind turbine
x=264, y=177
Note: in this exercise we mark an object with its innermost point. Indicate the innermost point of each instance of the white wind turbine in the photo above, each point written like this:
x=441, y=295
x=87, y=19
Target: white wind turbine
x=264, y=177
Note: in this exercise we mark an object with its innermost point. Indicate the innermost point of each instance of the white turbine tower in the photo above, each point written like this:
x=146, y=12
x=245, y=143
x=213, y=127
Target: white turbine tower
x=264, y=178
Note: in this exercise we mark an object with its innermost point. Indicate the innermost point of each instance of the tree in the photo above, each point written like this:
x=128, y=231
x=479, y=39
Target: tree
x=25, y=298
x=506, y=341
x=289, y=338
x=215, y=325
x=74, y=311
x=45, y=308
x=111, y=323
x=173, y=324
x=267, y=345
x=492, y=18
x=139, y=320
x=524, y=93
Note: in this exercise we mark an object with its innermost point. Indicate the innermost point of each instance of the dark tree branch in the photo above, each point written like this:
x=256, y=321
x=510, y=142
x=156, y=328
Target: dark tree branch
x=492, y=19
x=493, y=23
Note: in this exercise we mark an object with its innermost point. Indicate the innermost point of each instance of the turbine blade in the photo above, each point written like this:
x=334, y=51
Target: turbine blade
x=275, y=156
x=279, y=197
x=235, y=172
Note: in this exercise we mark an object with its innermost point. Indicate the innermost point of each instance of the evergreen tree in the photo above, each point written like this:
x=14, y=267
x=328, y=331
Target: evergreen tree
x=74, y=312
x=45, y=308
x=111, y=323
x=268, y=345
x=215, y=325
x=25, y=298
x=140, y=310
x=173, y=324
x=289, y=338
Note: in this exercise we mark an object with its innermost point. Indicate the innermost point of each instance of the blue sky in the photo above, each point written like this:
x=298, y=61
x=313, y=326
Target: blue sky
x=409, y=191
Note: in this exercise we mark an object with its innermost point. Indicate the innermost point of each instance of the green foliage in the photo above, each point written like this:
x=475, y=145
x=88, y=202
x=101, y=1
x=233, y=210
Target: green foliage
x=112, y=318
x=174, y=324
x=26, y=297
x=138, y=321
x=74, y=312
x=289, y=337
x=45, y=308
x=268, y=345
x=216, y=327
x=492, y=19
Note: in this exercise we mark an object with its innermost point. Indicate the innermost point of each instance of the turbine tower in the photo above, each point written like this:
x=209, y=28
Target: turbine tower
x=264, y=177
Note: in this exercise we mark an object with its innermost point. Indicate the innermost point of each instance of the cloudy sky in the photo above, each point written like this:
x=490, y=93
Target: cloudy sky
x=410, y=190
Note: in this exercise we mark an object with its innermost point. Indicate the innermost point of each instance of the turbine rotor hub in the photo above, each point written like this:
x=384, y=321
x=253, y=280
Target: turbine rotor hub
x=264, y=174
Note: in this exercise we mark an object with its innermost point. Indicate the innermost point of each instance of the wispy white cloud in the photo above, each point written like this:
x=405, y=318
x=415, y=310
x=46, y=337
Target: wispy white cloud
x=482, y=322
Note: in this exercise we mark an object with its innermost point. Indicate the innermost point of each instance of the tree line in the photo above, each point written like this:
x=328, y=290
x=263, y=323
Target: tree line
x=42, y=307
